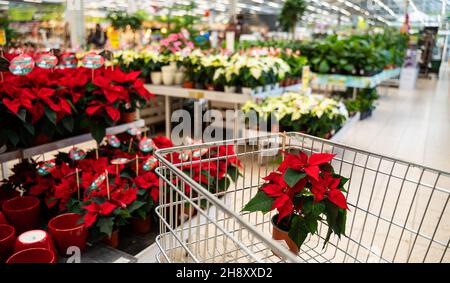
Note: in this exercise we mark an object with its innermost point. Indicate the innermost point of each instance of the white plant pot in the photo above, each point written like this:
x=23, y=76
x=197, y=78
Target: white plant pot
x=179, y=78
x=173, y=65
x=276, y=85
x=267, y=88
x=168, y=69
x=247, y=91
x=168, y=78
x=230, y=89
x=156, y=78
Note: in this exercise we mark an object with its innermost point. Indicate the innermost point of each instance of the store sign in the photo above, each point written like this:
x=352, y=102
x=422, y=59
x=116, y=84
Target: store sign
x=305, y=77
x=46, y=61
x=2, y=37
x=21, y=65
x=93, y=61
x=114, y=39
x=69, y=60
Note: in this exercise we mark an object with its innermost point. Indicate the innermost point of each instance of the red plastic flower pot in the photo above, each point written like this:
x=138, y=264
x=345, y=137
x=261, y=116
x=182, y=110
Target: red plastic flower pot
x=34, y=239
x=67, y=231
x=2, y=219
x=7, y=239
x=6, y=195
x=33, y=255
x=113, y=240
x=22, y=212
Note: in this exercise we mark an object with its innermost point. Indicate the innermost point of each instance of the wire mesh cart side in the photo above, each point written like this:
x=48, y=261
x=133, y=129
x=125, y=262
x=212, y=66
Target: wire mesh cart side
x=398, y=211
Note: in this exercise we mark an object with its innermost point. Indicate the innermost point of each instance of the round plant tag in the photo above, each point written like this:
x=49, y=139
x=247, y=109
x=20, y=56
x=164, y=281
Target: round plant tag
x=185, y=154
x=98, y=182
x=146, y=144
x=120, y=161
x=150, y=163
x=46, y=61
x=69, y=60
x=92, y=61
x=21, y=65
x=113, y=141
x=77, y=154
x=46, y=167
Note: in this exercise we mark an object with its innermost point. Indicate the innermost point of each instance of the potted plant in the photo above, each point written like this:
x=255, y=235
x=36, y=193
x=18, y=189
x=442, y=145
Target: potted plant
x=304, y=190
x=291, y=14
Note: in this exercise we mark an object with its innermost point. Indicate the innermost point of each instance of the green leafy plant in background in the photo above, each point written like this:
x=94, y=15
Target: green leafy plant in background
x=121, y=20
x=291, y=14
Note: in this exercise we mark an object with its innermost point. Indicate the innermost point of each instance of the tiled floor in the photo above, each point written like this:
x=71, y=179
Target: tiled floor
x=413, y=125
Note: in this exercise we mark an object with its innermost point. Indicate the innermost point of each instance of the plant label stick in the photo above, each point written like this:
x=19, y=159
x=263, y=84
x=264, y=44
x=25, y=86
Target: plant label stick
x=137, y=165
x=78, y=182
x=107, y=184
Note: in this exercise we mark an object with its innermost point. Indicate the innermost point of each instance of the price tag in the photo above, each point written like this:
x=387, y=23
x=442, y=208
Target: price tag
x=69, y=60
x=113, y=141
x=77, y=154
x=120, y=161
x=46, y=61
x=45, y=168
x=21, y=65
x=150, y=163
x=146, y=144
x=93, y=61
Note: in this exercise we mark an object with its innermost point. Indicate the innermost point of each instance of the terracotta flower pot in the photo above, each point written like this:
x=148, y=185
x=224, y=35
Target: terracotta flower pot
x=141, y=226
x=66, y=231
x=128, y=117
x=22, y=212
x=282, y=235
x=7, y=239
x=113, y=240
x=34, y=239
x=188, y=84
x=209, y=87
x=34, y=255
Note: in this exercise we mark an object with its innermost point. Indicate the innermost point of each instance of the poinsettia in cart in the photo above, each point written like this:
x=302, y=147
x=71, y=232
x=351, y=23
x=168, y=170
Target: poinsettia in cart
x=305, y=190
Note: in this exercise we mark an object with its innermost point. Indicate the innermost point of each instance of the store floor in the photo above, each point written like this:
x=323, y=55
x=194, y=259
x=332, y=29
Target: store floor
x=413, y=125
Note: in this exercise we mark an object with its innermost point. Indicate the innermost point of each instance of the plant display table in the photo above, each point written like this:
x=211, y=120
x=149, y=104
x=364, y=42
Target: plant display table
x=56, y=145
x=237, y=99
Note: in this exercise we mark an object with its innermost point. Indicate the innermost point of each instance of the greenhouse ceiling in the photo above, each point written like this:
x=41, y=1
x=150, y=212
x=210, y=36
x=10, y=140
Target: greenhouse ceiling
x=390, y=12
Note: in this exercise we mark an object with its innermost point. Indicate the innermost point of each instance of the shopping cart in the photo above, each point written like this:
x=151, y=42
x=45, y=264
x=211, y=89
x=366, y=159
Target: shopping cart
x=398, y=211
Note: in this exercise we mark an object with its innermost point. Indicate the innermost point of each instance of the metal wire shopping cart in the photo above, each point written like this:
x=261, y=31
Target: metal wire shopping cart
x=399, y=211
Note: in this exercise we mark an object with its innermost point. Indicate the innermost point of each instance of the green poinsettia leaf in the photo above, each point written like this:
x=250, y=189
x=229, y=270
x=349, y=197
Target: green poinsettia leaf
x=106, y=224
x=50, y=114
x=298, y=231
x=135, y=206
x=291, y=177
x=260, y=202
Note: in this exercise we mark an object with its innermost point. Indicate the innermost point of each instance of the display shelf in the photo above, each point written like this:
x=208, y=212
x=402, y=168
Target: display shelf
x=353, y=81
x=36, y=150
x=235, y=99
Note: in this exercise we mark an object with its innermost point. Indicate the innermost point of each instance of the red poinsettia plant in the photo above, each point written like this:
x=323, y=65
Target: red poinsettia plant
x=304, y=190
x=49, y=104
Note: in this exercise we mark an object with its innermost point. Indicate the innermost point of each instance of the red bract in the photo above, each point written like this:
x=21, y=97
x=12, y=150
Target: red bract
x=162, y=142
x=282, y=203
x=147, y=180
x=124, y=197
x=97, y=108
x=301, y=162
x=93, y=210
x=327, y=185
